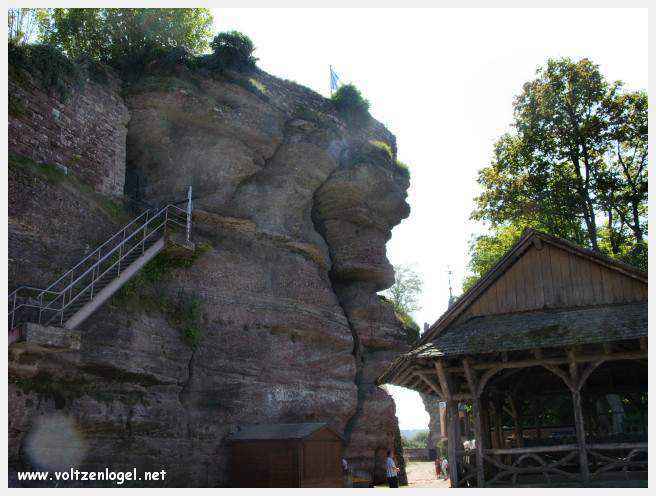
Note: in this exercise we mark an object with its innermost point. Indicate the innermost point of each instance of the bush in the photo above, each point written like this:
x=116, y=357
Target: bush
x=47, y=64
x=352, y=106
x=233, y=50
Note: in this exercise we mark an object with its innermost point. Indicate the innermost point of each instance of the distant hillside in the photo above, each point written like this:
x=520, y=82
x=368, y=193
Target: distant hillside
x=410, y=433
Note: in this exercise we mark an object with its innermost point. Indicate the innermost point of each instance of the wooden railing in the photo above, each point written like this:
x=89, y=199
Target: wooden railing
x=510, y=466
x=546, y=462
x=617, y=458
x=466, y=468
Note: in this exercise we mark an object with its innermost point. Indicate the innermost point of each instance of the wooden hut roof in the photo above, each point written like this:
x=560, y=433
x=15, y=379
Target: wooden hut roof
x=530, y=238
x=542, y=329
x=544, y=292
x=269, y=432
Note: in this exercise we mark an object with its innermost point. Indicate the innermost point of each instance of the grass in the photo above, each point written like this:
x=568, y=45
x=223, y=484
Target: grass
x=385, y=147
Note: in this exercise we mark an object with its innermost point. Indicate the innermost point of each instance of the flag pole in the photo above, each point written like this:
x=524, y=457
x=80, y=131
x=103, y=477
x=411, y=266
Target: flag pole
x=331, y=79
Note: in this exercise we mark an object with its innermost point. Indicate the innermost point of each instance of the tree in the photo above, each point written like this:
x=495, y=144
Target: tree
x=574, y=165
x=403, y=296
x=406, y=290
x=486, y=250
x=23, y=24
x=419, y=440
x=108, y=35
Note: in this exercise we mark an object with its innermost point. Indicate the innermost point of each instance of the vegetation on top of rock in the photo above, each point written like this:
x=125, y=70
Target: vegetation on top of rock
x=46, y=64
x=112, y=35
x=381, y=145
x=232, y=50
x=410, y=327
x=404, y=297
x=351, y=105
x=403, y=168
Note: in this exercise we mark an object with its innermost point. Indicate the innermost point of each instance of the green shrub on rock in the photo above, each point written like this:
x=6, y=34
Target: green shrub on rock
x=352, y=106
x=47, y=65
x=232, y=50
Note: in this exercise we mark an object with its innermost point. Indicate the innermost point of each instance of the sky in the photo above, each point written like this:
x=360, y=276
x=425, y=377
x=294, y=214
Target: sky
x=443, y=81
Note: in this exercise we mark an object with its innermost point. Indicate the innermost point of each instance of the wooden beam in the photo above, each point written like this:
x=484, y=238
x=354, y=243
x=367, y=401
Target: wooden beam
x=444, y=383
x=587, y=371
x=485, y=378
x=431, y=384
x=567, y=379
x=579, y=358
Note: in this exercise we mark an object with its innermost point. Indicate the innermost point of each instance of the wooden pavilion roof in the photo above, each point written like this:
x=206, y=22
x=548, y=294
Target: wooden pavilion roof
x=544, y=293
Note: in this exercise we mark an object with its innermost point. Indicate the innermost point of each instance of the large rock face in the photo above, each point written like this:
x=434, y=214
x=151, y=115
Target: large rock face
x=290, y=326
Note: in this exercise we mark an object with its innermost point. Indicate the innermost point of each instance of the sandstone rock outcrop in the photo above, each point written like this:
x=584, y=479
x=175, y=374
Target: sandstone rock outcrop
x=290, y=327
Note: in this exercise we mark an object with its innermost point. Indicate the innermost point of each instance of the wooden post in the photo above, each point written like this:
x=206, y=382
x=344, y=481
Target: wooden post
x=452, y=424
x=580, y=434
x=519, y=437
x=499, y=424
x=453, y=439
x=478, y=424
x=578, y=416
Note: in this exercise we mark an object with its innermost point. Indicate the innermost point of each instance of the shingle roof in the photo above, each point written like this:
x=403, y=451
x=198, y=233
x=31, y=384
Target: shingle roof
x=540, y=329
x=528, y=330
x=265, y=432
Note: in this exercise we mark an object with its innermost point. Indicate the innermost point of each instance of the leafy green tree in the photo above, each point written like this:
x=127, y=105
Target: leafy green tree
x=404, y=298
x=486, y=250
x=23, y=24
x=108, y=35
x=419, y=440
x=575, y=165
x=405, y=292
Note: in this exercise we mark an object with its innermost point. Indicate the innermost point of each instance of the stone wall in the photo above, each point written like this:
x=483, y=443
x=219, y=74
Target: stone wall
x=84, y=132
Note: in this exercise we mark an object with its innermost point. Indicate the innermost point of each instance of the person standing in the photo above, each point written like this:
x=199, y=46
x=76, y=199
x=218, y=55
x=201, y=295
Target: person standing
x=438, y=467
x=445, y=468
x=392, y=471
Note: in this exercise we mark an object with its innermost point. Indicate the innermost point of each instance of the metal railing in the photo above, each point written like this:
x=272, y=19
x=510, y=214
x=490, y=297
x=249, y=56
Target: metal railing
x=78, y=285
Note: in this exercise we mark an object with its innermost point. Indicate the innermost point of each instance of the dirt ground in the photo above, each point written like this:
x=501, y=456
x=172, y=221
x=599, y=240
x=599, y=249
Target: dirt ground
x=422, y=474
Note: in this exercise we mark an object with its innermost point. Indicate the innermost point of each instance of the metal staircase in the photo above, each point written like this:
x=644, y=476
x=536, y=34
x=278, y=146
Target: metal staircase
x=75, y=295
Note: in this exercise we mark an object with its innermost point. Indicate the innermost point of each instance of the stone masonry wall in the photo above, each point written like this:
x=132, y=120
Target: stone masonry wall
x=84, y=132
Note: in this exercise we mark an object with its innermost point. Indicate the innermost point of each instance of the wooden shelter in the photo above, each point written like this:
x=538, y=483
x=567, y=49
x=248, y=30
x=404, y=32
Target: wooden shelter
x=536, y=352
x=286, y=455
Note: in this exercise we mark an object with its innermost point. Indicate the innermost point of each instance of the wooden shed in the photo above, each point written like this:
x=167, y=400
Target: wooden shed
x=286, y=455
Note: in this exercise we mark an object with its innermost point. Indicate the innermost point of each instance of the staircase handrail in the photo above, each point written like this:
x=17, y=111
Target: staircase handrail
x=60, y=295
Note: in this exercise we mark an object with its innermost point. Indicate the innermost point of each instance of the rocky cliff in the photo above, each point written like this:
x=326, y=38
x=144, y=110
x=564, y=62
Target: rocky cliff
x=276, y=318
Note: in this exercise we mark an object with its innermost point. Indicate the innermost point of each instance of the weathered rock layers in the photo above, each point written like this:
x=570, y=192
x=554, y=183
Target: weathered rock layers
x=291, y=328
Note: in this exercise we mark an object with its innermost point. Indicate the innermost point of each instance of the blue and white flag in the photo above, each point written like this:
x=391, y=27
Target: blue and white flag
x=334, y=80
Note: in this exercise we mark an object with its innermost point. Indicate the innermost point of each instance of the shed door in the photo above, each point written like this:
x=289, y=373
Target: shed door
x=282, y=466
x=321, y=464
